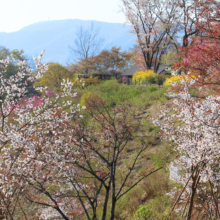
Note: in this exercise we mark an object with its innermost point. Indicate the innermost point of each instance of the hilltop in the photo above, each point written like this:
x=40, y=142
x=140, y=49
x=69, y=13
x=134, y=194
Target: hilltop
x=55, y=37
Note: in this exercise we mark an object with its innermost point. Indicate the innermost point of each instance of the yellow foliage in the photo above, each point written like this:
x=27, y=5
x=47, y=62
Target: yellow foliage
x=177, y=79
x=144, y=76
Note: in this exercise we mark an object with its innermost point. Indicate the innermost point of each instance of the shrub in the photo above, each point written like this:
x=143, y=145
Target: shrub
x=145, y=76
x=155, y=209
x=143, y=212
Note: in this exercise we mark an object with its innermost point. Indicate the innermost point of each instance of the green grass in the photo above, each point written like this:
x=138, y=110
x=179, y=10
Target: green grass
x=138, y=96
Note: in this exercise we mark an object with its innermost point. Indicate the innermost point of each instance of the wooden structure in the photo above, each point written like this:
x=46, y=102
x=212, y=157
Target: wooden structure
x=100, y=76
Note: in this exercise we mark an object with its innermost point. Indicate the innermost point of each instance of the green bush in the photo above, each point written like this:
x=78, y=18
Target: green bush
x=143, y=212
x=157, y=208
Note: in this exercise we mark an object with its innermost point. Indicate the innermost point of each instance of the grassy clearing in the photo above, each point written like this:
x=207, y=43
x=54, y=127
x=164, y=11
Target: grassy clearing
x=115, y=93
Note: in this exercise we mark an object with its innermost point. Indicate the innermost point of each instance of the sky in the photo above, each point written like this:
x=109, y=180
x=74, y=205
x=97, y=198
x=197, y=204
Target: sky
x=16, y=14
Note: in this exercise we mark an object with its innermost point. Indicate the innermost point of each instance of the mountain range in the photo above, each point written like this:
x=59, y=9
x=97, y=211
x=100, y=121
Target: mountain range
x=55, y=37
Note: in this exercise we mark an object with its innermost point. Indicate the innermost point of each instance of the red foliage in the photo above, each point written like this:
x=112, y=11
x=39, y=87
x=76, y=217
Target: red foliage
x=202, y=57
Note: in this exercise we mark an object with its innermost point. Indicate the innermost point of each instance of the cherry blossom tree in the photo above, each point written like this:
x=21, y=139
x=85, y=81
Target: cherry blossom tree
x=154, y=23
x=196, y=139
x=20, y=118
x=192, y=12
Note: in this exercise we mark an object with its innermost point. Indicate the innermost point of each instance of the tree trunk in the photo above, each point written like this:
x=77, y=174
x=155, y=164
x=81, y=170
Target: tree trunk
x=113, y=199
x=192, y=197
x=113, y=208
x=94, y=215
x=105, y=204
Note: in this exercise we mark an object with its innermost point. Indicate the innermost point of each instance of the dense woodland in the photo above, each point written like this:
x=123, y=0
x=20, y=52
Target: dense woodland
x=94, y=149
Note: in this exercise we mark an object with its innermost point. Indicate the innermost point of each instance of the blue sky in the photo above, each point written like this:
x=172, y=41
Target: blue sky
x=16, y=14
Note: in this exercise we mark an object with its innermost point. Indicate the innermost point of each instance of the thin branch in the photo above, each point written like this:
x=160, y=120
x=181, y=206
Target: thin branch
x=138, y=182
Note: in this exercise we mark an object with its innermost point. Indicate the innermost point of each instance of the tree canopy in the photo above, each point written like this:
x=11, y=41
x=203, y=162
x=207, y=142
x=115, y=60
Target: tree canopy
x=108, y=61
x=53, y=77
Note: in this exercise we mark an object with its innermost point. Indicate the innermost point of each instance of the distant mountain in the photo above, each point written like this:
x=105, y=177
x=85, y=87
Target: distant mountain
x=55, y=37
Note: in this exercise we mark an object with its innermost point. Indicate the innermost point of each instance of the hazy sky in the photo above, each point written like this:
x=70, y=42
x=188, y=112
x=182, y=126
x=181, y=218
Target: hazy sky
x=16, y=14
